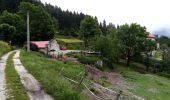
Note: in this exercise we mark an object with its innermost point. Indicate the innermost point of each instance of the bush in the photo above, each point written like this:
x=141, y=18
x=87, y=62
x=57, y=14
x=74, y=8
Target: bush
x=4, y=48
x=73, y=54
x=88, y=59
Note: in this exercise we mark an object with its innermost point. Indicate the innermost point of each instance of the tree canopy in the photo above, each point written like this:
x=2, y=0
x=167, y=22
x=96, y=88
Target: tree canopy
x=15, y=20
x=88, y=29
x=7, y=31
x=41, y=25
x=132, y=39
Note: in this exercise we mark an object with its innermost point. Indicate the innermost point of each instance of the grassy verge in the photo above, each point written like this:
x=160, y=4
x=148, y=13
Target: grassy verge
x=47, y=71
x=4, y=48
x=15, y=90
x=149, y=86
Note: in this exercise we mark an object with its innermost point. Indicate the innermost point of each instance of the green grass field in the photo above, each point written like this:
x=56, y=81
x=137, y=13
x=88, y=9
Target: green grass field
x=149, y=86
x=70, y=40
x=4, y=47
x=15, y=90
x=70, y=43
x=47, y=71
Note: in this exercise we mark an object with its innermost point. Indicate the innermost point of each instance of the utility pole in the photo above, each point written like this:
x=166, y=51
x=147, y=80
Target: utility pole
x=28, y=33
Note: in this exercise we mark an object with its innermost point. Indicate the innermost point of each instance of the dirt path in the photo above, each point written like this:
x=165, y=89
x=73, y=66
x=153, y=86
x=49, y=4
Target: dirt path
x=3, y=61
x=32, y=86
x=108, y=84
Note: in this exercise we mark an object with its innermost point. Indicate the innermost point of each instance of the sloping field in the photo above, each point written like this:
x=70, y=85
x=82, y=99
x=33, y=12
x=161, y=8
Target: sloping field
x=149, y=86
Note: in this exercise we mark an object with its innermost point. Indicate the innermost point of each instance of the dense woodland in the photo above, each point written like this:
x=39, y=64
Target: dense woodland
x=66, y=22
x=113, y=42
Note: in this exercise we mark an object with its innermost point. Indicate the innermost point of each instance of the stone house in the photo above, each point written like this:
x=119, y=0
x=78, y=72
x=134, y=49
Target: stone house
x=47, y=47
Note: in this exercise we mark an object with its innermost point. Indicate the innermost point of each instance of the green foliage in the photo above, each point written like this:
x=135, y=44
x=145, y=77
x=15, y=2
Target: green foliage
x=166, y=61
x=88, y=29
x=158, y=54
x=5, y=47
x=47, y=71
x=12, y=5
x=108, y=47
x=41, y=25
x=15, y=22
x=164, y=40
x=88, y=59
x=132, y=39
x=6, y=31
x=65, y=19
x=73, y=54
x=111, y=29
x=15, y=89
x=149, y=46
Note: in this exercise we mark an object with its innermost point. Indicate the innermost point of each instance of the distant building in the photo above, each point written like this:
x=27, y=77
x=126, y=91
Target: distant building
x=151, y=36
x=47, y=47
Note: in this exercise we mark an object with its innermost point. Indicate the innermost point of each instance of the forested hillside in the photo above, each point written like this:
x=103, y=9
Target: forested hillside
x=66, y=22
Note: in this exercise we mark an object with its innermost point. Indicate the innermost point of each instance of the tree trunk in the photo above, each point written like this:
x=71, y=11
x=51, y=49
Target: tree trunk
x=128, y=60
x=147, y=63
x=85, y=44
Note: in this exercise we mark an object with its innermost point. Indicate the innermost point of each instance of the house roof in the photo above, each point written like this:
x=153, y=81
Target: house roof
x=40, y=44
x=149, y=35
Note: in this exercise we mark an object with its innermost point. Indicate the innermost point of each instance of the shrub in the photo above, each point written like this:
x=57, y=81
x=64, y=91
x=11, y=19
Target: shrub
x=4, y=47
x=88, y=59
x=73, y=54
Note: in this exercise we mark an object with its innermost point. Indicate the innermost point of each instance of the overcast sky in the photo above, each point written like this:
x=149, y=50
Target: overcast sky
x=153, y=14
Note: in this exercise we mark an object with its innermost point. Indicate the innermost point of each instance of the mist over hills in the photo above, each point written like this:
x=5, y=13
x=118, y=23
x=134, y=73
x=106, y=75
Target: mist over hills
x=163, y=31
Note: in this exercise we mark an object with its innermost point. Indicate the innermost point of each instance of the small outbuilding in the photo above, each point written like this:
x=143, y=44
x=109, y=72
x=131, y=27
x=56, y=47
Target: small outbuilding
x=47, y=47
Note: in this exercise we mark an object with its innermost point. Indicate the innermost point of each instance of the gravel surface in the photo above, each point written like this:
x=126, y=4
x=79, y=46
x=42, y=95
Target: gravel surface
x=32, y=86
x=3, y=61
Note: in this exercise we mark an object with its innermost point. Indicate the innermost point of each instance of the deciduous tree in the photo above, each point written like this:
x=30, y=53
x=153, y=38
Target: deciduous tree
x=132, y=39
x=88, y=29
x=41, y=25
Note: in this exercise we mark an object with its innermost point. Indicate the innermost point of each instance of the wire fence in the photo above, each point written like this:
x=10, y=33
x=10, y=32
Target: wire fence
x=109, y=94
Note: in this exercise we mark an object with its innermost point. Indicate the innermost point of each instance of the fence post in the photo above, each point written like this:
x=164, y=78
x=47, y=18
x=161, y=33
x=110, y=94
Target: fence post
x=60, y=73
x=118, y=95
x=82, y=78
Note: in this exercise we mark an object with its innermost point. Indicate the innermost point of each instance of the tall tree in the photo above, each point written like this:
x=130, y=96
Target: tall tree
x=111, y=29
x=88, y=29
x=15, y=20
x=132, y=38
x=6, y=31
x=109, y=49
x=41, y=25
x=65, y=19
x=104, y=27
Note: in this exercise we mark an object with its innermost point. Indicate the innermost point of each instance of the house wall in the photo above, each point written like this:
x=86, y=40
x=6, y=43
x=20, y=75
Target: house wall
x=53, y=45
